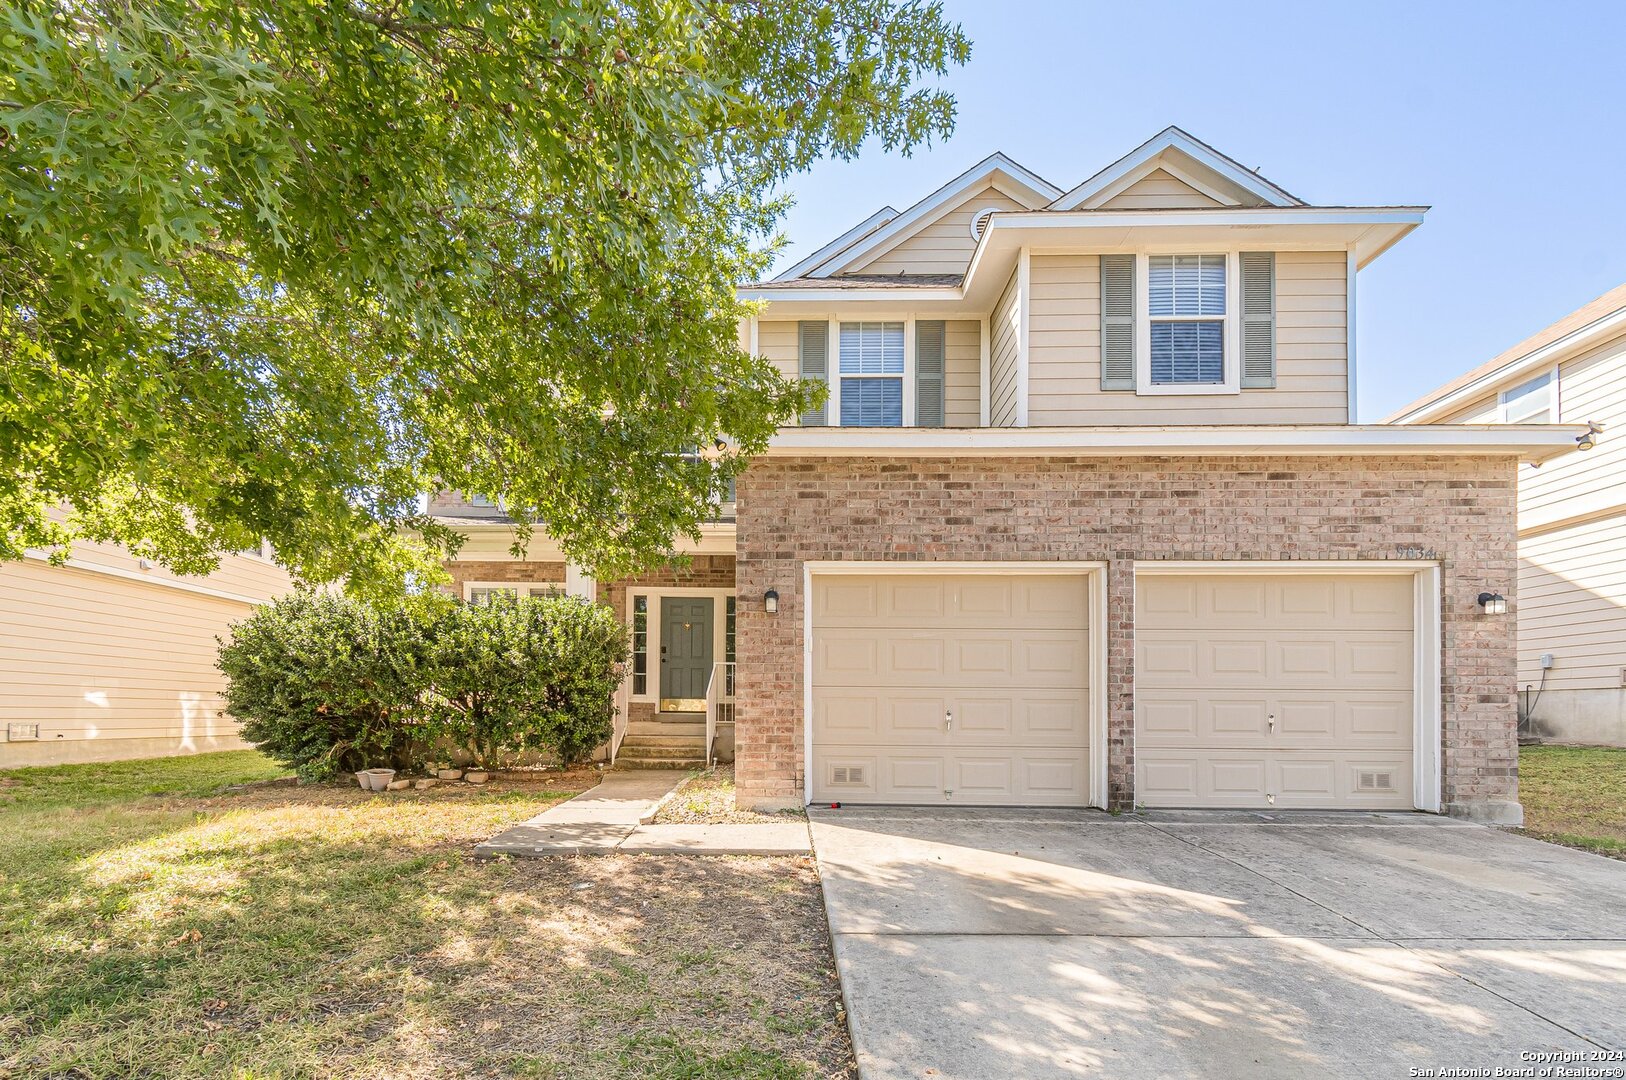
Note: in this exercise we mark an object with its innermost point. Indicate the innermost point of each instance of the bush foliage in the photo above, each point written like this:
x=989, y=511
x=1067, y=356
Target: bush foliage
x=330, y=684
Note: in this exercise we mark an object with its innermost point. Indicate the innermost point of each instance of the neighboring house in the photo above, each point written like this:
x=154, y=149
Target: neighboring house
x=1085, y=521
x=113, y=657
x=1572, y=515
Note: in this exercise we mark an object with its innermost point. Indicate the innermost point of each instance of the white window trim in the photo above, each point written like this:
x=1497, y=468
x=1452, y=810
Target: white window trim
x=1552, y=374
x=470, y=586
x=1232, y=383
x=833, y=364
x=652, y=641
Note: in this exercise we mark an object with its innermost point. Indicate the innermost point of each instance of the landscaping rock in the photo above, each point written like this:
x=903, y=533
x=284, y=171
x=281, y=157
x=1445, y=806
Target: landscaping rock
x=477, y=776
x=400, y=785
x=424, y=784
x=450, y=774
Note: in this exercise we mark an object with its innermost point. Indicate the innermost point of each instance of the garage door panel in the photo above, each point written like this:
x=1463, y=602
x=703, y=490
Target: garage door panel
x=895, y=657
x=953, y=657
x=1196, y=719
x=875, y=716
x=1298, y=779
x=1275, y=689
x=1225, y=659
x=1034, y=601
x=1276, y=602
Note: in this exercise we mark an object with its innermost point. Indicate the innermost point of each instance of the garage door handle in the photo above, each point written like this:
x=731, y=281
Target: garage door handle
x=1271, y=720
x=948, y=721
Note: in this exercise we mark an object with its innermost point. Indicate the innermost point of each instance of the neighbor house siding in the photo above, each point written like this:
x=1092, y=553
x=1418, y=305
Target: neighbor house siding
x=1117, y=511
x=962, y=377
x=1572, y=603
x=942, y=247
x=1159, y=190
x=1591, y=387
x=115, y=661
x=1311, y=352
x=1004, y=333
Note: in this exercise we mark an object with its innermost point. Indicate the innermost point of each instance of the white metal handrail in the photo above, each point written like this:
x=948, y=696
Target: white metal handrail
x=623, y=703
x=719, y=704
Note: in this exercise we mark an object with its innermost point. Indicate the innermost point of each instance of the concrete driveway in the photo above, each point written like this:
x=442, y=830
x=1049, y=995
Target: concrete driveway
x=988, y=944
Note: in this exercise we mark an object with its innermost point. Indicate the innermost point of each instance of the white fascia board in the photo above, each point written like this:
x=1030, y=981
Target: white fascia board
x=1213, y=215
x=1040, y=191
x=1555, y=352
x=839, y=244
x=1174, y=139
x=493, y=543
x=1529, y=442
x=768, y=294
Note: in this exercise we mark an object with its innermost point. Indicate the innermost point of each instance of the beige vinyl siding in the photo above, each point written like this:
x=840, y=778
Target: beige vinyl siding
x=962, y=379
x=1591, y=387
x=778, y=342
x=1158, y=190
x=111, y=667
x=1004, y=334
x=1572, y=603
x=1064, y=341
x=941, y=246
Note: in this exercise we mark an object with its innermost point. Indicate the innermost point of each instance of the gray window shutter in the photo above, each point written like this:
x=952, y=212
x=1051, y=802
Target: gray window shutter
x=1258, y=319
x=813, y=340
x=929, y=350
x=1117, y=322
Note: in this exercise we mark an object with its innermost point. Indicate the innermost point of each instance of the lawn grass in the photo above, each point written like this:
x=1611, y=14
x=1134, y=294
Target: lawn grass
x=1576, y=796
x=156, y=925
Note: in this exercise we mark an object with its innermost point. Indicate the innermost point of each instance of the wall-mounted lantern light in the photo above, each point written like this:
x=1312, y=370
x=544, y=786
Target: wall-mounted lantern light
x=770, y=602
x=1494, y=603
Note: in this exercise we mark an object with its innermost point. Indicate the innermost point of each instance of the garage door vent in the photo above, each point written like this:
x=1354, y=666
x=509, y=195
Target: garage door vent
x=847, y=774
x=1376, y=781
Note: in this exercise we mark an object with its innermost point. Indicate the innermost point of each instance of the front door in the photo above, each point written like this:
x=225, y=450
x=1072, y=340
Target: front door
x=686, y=656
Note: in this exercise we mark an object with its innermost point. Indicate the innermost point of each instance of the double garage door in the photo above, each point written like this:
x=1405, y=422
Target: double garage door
x=1256, y=690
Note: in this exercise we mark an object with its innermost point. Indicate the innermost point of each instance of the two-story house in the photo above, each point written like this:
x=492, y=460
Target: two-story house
x=1572, y=515
x=1086, y=520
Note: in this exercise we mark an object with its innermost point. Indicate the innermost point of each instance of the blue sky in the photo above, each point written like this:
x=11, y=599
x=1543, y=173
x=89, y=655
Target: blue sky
x=1507, y=119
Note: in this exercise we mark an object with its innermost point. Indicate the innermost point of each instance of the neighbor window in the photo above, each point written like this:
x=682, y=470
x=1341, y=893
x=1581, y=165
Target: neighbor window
x=481, y=500
x=485, y=594
x=871, y=369
x=640, y=644
x=1532, y=402
x=1186, y=309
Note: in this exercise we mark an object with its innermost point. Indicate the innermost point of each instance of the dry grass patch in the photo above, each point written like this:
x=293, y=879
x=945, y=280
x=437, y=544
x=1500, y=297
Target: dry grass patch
x=159, y=927
x=707, y=798
x=1576, y=796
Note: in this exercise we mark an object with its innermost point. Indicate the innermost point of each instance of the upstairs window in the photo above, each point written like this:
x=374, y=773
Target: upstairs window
x=1187, y=311
x=1533, y=402
x=871, y=369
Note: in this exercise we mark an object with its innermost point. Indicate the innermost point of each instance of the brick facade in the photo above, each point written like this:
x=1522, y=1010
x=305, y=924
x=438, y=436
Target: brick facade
x=1459, y=510
x=550, y=573
x=702, y=572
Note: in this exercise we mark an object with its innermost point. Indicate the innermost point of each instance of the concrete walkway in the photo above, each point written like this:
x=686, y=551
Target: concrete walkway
x=984, y=943
x=615, y=817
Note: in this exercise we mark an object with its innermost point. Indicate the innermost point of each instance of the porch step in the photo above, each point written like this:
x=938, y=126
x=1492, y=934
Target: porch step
x=622, y=761
x=694, y=729
x=664, y=742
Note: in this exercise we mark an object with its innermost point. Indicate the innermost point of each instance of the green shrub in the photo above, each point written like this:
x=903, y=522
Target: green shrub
x=537, y=673
x=329, y=684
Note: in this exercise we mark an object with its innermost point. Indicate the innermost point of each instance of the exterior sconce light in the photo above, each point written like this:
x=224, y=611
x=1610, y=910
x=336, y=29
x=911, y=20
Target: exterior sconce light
x=1494, y=603
x=1590, y=439
x=770, y=602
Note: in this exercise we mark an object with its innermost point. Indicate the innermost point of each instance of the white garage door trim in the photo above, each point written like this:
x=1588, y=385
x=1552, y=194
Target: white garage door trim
x=1426, y=644
x=1095, y=573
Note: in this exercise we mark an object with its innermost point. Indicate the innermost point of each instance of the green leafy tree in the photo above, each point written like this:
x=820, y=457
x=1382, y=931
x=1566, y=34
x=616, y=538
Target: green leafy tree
x=277, y=269
x=537, y=673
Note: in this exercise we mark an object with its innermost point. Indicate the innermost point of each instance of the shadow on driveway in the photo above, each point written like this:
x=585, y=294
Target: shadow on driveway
x=1001, y=943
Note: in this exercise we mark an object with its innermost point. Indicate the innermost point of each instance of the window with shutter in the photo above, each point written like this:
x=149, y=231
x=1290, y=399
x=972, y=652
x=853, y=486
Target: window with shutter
x=1117, y=322
x=1185, y=301
x=929, y=363
x=1258, y=319
x=813, y=342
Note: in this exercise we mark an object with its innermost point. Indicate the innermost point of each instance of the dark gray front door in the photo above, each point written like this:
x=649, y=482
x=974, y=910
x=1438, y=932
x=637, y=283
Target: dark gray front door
x=686, y=637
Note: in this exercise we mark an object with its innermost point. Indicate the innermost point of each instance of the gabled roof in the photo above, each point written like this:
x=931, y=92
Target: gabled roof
x=1190, y=160
x=1022, y=185
x=1604, y=316
x=841, y=243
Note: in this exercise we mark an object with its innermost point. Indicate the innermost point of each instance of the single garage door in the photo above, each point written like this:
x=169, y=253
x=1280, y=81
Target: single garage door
x=965, y=689
x=1259, y=690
